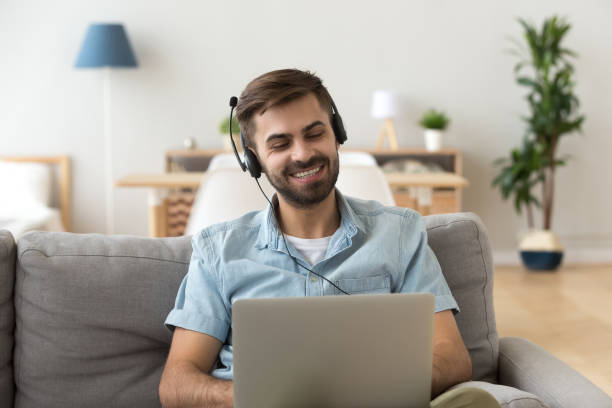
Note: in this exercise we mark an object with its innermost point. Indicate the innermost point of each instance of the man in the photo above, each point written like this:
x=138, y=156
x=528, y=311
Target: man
x=286, y=118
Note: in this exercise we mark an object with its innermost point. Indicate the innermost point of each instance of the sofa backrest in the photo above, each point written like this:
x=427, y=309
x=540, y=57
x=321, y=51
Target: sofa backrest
x=461, y=245
x=90, y=311
x=7, y=317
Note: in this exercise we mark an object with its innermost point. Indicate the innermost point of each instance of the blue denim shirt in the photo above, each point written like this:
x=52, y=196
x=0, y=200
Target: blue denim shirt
x=376, y=249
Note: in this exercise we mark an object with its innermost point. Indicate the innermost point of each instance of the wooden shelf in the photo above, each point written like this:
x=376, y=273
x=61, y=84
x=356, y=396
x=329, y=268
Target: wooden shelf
x=446, y=186
x=185, y=170
x=162, y=180
x=433, y=180
x=421, y=151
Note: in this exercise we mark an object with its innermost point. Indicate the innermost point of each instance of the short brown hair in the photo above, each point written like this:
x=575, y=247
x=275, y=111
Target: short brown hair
x=277, y=88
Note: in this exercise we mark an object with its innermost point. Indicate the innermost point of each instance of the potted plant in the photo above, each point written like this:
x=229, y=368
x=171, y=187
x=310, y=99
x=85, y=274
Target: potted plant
x=553, y=113
x=224, y=129
x=434, y=123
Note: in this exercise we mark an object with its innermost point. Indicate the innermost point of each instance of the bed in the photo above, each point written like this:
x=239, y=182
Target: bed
x=35, y=194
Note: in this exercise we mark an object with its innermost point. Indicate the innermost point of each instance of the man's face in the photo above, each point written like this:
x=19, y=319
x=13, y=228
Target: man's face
x=298, y=151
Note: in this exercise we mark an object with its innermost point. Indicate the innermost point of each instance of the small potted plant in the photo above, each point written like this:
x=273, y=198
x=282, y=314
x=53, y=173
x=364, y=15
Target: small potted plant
x=553, y=113
x=434, y=122
x=224, y=129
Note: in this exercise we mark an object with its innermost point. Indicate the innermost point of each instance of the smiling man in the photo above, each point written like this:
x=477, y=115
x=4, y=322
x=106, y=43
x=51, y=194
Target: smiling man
x=298, y=153
x=287, y=120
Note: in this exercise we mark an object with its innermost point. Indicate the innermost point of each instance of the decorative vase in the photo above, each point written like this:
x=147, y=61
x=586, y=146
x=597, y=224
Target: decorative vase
x=433, y=139
x=541, y=250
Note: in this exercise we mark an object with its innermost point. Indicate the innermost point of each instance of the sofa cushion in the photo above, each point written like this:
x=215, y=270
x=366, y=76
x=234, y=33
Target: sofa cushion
x=90, y=313
x=7, y=317
x=461, y=245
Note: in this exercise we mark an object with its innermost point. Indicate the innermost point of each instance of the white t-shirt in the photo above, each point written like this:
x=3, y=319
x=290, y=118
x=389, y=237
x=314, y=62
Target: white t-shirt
x=311, y=249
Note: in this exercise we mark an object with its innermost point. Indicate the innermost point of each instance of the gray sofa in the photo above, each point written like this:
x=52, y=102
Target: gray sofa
x=81, y=320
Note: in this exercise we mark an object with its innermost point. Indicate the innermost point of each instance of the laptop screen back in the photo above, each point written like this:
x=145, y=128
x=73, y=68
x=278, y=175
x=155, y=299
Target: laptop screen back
x=333, y=351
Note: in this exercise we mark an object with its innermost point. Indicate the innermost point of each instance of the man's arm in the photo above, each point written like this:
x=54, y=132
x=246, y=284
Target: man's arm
x=186, y=381
x=451, y=361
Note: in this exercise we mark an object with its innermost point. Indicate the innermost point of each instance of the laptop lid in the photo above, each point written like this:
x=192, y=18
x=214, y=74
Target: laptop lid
x=333, y=351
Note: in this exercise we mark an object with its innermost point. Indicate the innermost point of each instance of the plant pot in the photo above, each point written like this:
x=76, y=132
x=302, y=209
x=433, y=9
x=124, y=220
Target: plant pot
x=227, y=144
x=433, y=139
x=541, y=250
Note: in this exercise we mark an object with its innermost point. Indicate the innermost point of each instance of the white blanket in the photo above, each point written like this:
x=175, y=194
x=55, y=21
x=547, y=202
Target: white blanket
x=25, y=197
x=34, y=217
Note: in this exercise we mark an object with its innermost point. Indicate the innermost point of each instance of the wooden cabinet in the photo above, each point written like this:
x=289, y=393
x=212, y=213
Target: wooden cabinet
x=171, y=193
x=445, y=188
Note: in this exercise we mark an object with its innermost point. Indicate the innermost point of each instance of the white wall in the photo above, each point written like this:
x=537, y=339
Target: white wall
x=193, y=55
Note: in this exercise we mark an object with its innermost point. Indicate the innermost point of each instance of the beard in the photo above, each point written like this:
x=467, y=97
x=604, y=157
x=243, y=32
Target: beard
x=311, y=193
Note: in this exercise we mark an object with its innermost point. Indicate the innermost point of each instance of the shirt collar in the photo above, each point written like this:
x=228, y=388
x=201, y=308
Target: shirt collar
x=269, y=234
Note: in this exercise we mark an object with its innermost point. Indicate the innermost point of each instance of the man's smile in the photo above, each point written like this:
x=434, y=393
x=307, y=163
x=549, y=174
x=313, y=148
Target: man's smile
x=307, y=176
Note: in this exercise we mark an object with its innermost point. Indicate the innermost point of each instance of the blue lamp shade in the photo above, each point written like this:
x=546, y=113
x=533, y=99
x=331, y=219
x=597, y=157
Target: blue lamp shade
x=106, y=45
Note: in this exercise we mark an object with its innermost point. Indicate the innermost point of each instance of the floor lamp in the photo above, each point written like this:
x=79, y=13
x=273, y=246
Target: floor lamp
x=107, y=46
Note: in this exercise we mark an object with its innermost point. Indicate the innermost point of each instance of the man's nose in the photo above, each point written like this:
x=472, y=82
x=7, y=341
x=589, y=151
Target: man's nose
x=301, y=152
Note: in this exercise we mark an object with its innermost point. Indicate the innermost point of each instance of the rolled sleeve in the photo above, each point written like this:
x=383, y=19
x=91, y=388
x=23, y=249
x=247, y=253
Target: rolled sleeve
x=200, y=304
x=423, y=272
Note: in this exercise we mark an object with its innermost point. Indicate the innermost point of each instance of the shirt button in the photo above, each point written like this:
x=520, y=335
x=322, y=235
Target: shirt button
x=313, y=279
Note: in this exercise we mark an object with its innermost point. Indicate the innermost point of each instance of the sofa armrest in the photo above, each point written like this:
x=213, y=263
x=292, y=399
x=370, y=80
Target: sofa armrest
x=8, y=251
x=527, y=366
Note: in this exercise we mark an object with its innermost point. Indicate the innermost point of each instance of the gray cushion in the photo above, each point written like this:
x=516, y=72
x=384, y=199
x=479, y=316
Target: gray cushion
x=461, y=245
x=7, y=317
x=90, y=312
x=507, y=397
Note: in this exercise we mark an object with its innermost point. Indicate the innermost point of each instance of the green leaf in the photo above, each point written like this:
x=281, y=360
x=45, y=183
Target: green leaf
x=567, y=51
x=528, y=82
x=499, y=161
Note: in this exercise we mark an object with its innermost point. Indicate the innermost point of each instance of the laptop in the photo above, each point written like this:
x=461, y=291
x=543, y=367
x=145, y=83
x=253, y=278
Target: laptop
x=333, y=351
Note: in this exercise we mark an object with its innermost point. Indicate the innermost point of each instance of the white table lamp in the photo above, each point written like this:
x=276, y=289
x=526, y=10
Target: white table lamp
x=385, y=105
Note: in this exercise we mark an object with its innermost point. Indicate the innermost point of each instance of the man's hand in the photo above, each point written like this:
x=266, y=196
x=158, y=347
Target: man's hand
x=186, y=381
x=451, y=361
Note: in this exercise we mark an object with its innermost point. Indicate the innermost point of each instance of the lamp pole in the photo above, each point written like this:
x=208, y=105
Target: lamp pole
x=108, y=152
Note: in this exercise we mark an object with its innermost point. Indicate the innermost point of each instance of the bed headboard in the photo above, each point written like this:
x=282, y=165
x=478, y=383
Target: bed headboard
x=63, y=165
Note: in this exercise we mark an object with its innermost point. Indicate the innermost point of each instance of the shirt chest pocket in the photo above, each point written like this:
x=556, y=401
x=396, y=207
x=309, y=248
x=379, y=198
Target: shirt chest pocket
x=363, y=285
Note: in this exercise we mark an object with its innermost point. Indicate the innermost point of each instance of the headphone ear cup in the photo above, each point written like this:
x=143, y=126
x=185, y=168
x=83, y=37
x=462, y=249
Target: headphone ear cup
x=250, y=159
x=252, y=163
x=338, y=128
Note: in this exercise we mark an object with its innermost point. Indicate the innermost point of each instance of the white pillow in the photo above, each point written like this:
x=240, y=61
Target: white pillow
x=24, y=184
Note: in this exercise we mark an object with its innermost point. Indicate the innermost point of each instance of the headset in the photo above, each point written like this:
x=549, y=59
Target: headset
x=251, y=163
